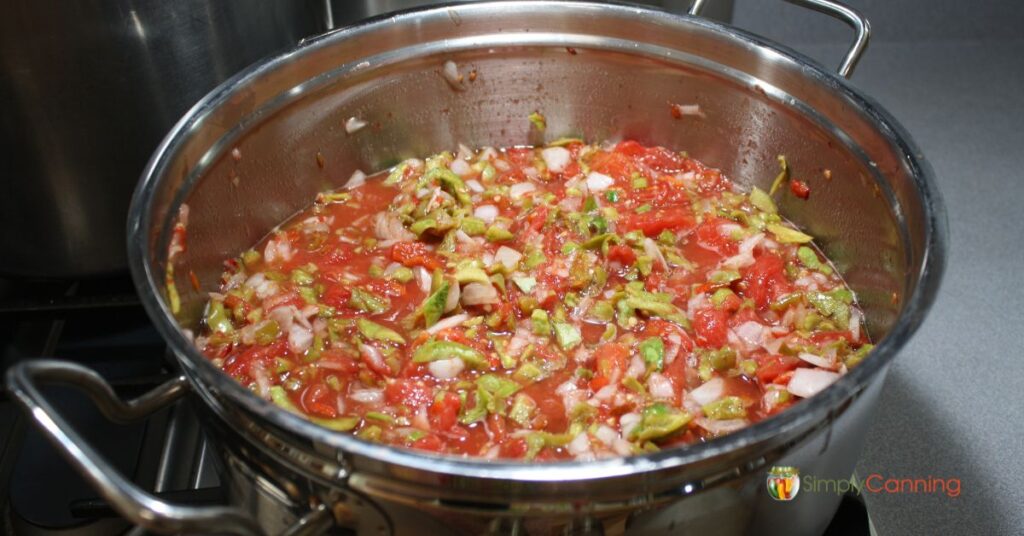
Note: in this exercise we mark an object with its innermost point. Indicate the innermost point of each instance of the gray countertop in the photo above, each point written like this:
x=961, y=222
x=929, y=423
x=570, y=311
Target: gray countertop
x=952, y=403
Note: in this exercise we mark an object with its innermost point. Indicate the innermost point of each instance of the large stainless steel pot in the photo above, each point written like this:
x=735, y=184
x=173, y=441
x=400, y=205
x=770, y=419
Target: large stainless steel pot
x=595, y=70
x=88, y=89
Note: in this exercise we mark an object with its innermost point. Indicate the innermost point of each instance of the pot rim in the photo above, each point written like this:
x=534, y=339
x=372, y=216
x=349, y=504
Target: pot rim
x=802, y=415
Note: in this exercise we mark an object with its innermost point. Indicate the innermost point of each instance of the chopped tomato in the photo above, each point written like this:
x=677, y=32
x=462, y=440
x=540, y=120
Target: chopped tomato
x=336, y=296
x=444, y=412
x=430, y=443
x=410, y=392
x=612, y=360
x=653, y=222
x=771, y=367
x=415, y=254
x=712, y=327
x=799, y=188
x=622, y=254
x=766, y=280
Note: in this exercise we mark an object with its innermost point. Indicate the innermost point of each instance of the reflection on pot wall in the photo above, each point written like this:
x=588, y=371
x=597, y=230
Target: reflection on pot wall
x=88, y=89
x=346, y=12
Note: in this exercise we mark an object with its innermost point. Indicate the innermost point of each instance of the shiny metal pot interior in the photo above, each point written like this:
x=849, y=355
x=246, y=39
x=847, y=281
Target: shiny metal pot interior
x=597, y=71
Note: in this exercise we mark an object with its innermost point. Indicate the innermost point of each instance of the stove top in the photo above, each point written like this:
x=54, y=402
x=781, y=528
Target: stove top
x=100, y=324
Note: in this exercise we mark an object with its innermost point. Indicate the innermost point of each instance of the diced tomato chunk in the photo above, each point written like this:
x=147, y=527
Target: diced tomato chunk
x=336, y=296
x=712, y=327
x=430, y=443
x=800, y=188
x=444, y=412
x=653, y=222
x=409, y=392
x=415, y=254
x=622, y=254
x=766, y=280
x=771, y=367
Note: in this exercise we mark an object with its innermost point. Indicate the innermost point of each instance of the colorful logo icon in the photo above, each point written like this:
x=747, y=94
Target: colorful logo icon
x=783, y=483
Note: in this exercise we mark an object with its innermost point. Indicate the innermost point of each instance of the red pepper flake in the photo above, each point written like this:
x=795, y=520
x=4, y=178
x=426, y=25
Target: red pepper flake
x=800, y=188
x=320, y=159
x=472, y=75
x=675, y=111
x=195, y=280
x=570, y=50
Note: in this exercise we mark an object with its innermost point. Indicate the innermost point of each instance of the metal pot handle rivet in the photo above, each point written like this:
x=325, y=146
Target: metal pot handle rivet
x=135, y=504
x=845, y=13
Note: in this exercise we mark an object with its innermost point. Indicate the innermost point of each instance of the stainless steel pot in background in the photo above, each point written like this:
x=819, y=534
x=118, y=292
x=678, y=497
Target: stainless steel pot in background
x=87, y=90
x=601, y=72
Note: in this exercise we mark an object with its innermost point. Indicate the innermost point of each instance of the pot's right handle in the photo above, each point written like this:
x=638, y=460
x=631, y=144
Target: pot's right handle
x=840, y=11
x=123, y=495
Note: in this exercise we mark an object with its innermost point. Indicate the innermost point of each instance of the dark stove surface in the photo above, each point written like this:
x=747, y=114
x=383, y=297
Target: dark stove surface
x=101, y=325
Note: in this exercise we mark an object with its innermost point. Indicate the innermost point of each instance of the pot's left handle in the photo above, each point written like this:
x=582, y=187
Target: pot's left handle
x=122, y=494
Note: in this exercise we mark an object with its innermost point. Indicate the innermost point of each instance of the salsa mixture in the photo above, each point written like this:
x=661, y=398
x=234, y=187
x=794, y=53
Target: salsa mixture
x=571, y=301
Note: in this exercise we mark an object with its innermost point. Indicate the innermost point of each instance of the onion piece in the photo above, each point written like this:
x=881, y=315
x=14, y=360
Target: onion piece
x=660, y=386
x=628, y=422
x=373, y=356
x=357, y=179
x=709, y=392
x=454, y=293
x=366, y=396
x=299, y=338
x=487, y=213
x=556, y=158
x=654, y=252
x=579, y=444
x=719, y=427
x=680, y=110
x=354, y=124
x=451, y=74
x=597, y=182
x=808, y=382
x=606, y=435
x=479, y=294
x=815, y=360
x=460, y=168
x=520, y=189
x=508, y=257
x=475, y=186
x=446, y=369
x=446, y=323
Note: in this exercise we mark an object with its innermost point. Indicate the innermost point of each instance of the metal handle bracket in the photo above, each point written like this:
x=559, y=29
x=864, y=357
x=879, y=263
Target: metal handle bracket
x=850, y=16
x=123, y=495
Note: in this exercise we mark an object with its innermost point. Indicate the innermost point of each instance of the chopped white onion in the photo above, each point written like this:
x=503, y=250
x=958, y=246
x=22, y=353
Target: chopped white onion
x=687, y=109
x=628, y=422
x=299, y=338
x=709, y=392
x=446, y=369
x=745, y=256
x=474, y=186
x=597, y=182
x=508, y=257
x=753, y=334
x=855, y=321
x=454, y=293
x=675, y=342
x=387, y=226
x=636, y=367
x=366, y=396
x=520, y=189
x=450, y=71
x=487, y=213
x=357, y=179
x=719, y=427
x=660, y=386
x=446, y=323
x=424, y=278
x=579, y=445
x=556, y=158
x=479, y=294
x=373, y=356
x=354, y=124
x=654, y=252
x=262, y=379
x=460, y=168
x=808, y=382
x=606, y=435
x=605, y=392
x=815, y=360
